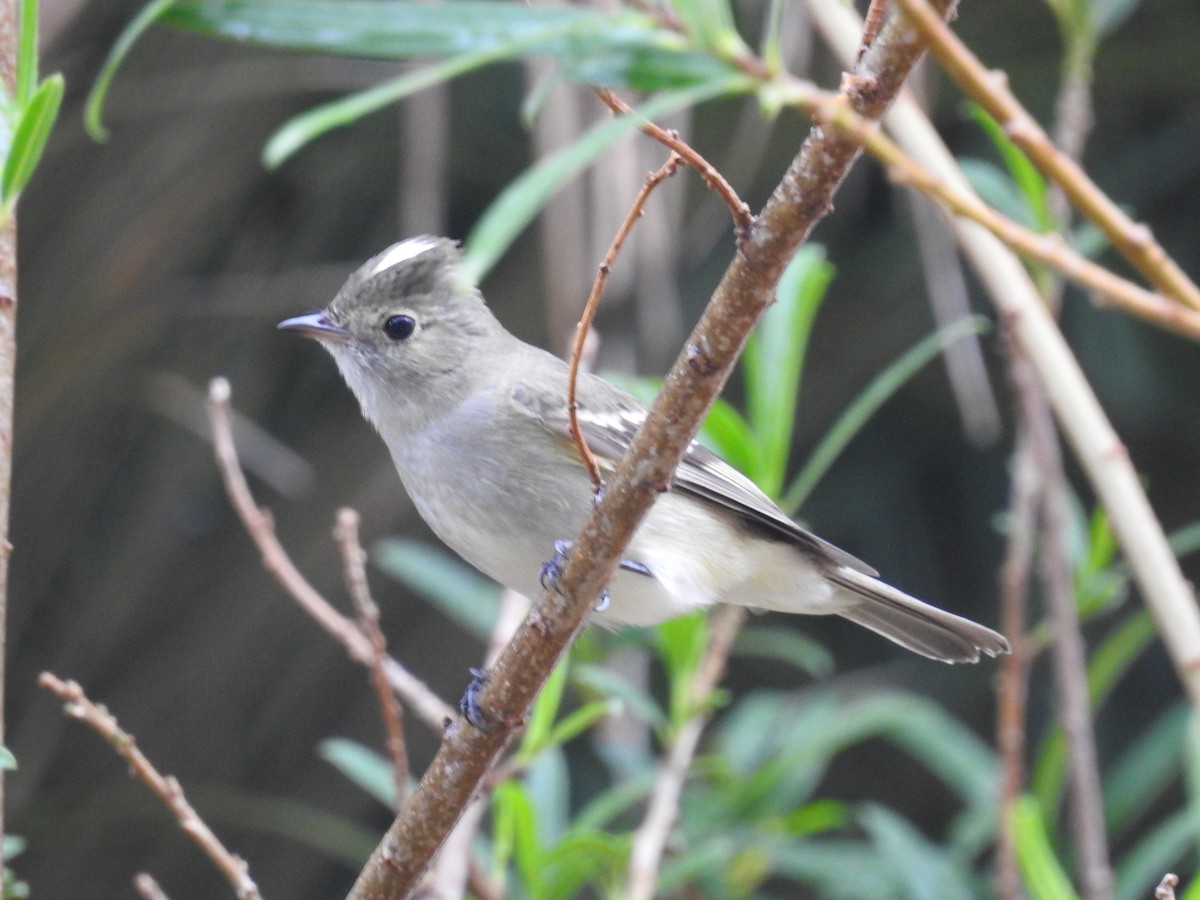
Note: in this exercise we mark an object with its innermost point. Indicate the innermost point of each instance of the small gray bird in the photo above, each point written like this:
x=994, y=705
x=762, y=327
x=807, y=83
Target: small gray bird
x=476, y=422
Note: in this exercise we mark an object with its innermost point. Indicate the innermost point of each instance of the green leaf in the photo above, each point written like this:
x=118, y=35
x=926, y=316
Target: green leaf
x=1040, y=869
x=309, y=125
x=580, y=720
x=596, y=48
x=515, y=831
x=609, y=684
x=544, y=712
x=710, y=23
x=928, y=871
x=774, y=359
x=27, y=53
x=1024, y=173
x=94, y=107
x=681, y=643
x=457, y=590
x=29, y=139
x=866, y=404
x=363, y=766
x=786, y=646
x=606, y=807
x=523, y=198
x=1145, y=769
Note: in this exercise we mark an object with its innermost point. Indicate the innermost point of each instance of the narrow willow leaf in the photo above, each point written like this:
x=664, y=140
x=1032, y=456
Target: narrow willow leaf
x=29, y=139
x=545, y=711
x=1040, y=869
x=1030, y=181
x=866, y=404
x=27, y=52
x=94, y=107
x=524, y=197
x=363, y=766
x=774, y=359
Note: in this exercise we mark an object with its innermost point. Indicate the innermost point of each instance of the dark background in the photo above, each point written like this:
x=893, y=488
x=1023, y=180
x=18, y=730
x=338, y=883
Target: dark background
x=165, y=257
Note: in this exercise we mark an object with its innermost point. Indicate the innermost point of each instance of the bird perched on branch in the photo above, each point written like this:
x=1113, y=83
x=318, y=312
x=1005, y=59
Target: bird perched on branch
x=476, y=422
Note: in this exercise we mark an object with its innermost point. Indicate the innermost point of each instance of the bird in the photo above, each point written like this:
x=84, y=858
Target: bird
x=476, y=423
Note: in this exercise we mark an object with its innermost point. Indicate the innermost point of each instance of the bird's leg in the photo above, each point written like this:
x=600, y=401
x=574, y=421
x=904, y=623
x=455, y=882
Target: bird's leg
x=553, y=567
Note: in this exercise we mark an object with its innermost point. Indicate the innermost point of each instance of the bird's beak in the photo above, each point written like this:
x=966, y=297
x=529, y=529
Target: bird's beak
x=315, y=325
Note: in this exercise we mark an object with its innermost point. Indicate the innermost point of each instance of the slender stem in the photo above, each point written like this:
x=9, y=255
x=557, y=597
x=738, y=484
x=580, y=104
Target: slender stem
x=990, y=89
x=653, y=180
x=8, y=362
x=261, y=528
x=167, y=789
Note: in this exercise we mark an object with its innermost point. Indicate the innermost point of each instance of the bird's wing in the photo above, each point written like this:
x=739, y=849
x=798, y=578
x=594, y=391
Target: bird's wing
x=609, y=418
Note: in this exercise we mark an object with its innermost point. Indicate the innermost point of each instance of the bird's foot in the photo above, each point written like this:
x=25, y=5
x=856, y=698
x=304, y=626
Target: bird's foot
x=552, y=569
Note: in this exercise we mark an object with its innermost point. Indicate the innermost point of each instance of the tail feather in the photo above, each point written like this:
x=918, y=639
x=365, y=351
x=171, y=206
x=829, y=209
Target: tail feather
x=915, y=625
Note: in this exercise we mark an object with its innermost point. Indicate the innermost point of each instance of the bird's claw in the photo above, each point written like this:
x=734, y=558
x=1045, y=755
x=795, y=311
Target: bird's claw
x=469, y=704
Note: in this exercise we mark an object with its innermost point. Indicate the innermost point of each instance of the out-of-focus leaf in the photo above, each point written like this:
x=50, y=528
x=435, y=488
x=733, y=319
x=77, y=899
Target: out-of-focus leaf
x=609, y=684
x=601, y=811
x=580, y=720
x=461, y=593
x=996, y=189
x=545, y=711
x=1146, y=768
x=1029, y=181
x=774, y=359
x=710, y=23
x=1108, y=663
x=547, y=783
x=524, y=197
x=836, y=869
x=681, y=642
x=866, y=404
x=515, y=831
x=8, y=762
x=94, y=107
x=363, y=766
x=30, y=136
x=928, y=871
x=27, y=52
x=1040, y=869
x=583, y=858
x=815, y=818
x=785, y=646
x=612, y=48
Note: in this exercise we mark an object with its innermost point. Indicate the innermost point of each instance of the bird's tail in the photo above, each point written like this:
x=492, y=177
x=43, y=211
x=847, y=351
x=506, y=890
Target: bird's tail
x=912, y=624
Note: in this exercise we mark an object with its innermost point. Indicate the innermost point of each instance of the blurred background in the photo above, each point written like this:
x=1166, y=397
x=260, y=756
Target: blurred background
x=165, y=257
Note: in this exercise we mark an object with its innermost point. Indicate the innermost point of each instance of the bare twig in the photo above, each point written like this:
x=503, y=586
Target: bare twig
x=145, y=885
x=354, y=561
x=650, y=839
x=871, y=22
x=653, y=180
x=742, y=219
x=78, y=706
x=801, y=199
x=990, y=89
x=261, y=528
x=1070, y=657
x=1012, y=689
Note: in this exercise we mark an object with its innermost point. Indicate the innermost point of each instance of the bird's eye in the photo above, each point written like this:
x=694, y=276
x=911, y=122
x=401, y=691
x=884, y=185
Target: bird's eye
x=399, y=327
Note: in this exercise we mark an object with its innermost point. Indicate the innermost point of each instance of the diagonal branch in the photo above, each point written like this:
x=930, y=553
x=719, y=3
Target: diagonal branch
x=801, y=199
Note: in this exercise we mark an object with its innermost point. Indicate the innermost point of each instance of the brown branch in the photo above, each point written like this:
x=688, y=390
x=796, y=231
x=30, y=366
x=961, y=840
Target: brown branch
x=168, y=790
x=653, y=180
x=742, y=219
x=800, y=200
x=650, y=839
x=145, y=885
x=354, y=561
x=1107, y=287
x=990, y=89
x=871, y=22
x=261, y=528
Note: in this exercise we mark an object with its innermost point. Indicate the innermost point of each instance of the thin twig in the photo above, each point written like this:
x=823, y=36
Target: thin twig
x=743, y=220
x=802, y=198
x=259, y=525
x=662, y=811
x=354, y=562
x=168, y=790
x=1013, y=686
x=145, y=885
x=1133, y=240
x=653, y=180
x=1107, y=287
